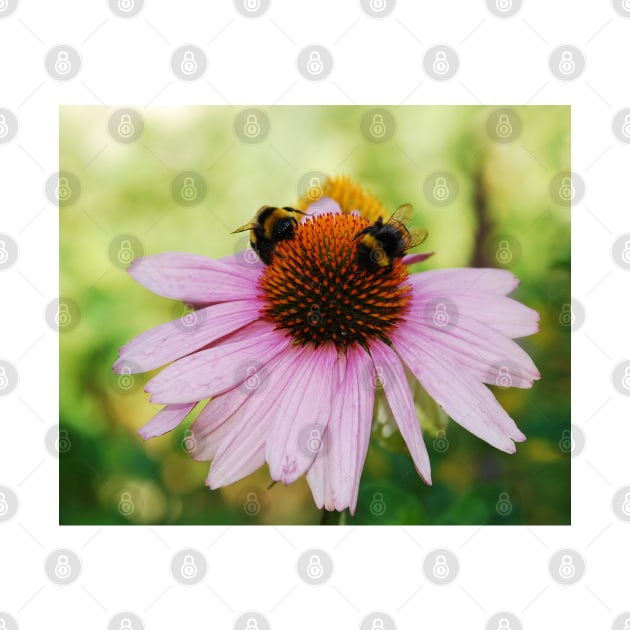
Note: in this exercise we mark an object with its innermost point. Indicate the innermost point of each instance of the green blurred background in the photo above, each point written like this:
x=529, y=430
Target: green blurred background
x=505, y=171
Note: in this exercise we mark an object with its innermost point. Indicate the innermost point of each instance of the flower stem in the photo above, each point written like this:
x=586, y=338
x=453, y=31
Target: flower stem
x=332, y=517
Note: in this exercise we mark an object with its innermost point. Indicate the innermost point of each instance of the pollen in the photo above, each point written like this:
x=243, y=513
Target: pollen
x=347, y=194
x=316, y=291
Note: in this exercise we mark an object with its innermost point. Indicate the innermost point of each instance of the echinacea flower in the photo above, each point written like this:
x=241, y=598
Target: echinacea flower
x=290, y=354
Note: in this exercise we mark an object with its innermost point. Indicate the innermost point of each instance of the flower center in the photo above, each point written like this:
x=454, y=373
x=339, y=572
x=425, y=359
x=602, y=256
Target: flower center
x=316, y=289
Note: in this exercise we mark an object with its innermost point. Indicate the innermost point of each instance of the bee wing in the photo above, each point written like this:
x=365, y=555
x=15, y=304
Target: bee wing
x=417, y=235
x=403, y=214
x=248, y=226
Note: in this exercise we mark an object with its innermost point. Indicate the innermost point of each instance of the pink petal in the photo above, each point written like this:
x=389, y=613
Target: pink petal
x=240, y=449
x=305, y=404
x=194, y=279
x=165, y=420
x=319, y=475
x=495, y=281
x=227, y=470
x=335, y=474
x=213, y=423
x=246, y=258
x=324, y=205
x=469, y=402
x=412, y=259
x=398, y=394
x=483, y=351
x=190, y=332
x=507, y=316
x=215, y=370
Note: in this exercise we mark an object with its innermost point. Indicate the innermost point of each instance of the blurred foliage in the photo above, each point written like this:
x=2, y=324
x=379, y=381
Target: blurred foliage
x=109, y=475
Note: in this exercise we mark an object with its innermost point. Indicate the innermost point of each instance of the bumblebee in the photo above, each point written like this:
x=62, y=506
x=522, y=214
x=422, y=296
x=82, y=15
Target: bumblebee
x=270, y=226
x=383, y=242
